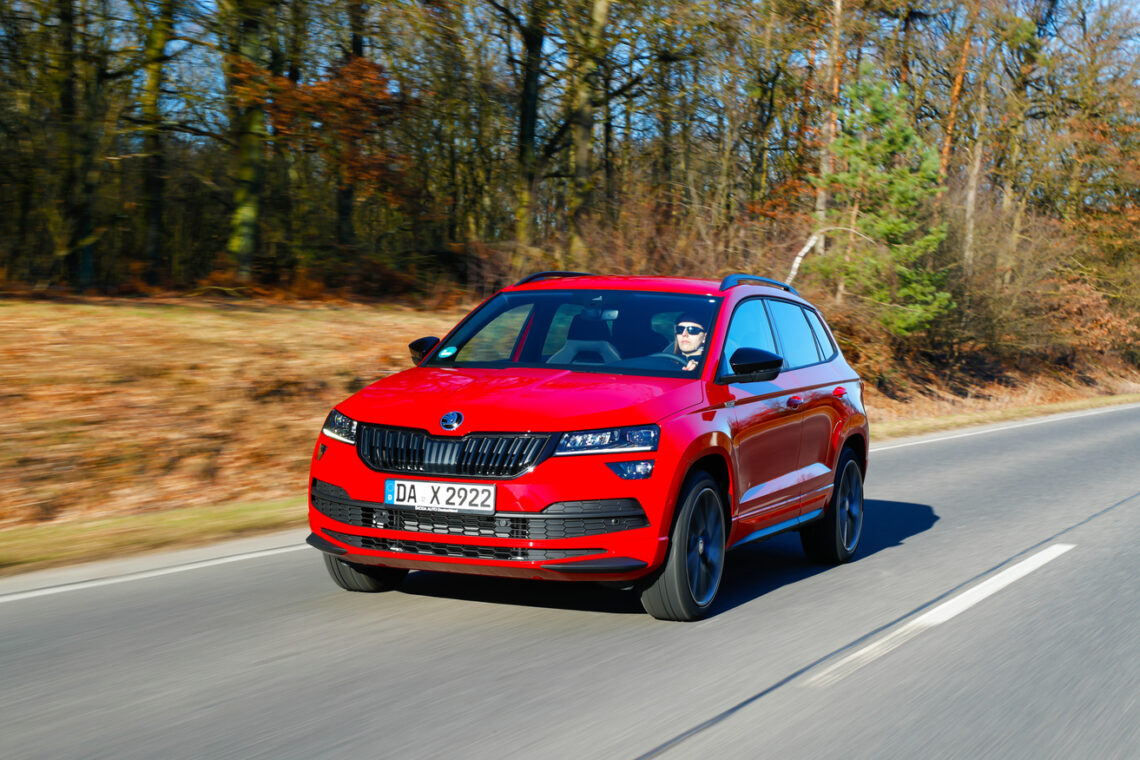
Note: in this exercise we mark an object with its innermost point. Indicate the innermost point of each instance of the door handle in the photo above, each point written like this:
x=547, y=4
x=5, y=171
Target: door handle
x=795, y=401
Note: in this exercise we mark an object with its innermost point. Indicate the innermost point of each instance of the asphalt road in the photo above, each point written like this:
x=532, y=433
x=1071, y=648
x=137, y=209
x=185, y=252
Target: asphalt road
x=993, y=611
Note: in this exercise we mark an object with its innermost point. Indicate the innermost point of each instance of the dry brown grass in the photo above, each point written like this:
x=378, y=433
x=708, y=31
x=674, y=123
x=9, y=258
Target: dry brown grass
x=120, y=406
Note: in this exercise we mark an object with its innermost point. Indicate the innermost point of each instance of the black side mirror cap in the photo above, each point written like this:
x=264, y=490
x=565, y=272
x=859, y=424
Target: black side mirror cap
x=750, y=365
x=421, y=346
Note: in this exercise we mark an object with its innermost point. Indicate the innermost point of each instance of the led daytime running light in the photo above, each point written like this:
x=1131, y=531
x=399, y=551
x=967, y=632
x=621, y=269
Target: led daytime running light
x=609, y=441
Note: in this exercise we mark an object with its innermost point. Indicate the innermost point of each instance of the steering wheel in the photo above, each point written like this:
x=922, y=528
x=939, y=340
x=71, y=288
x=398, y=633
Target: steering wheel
x=682, y=360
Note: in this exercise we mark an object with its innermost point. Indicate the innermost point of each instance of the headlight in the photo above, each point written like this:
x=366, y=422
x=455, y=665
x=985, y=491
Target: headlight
x=609, y=441
x=340, y=427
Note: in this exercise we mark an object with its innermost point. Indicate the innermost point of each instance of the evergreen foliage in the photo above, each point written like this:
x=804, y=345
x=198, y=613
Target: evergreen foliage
x=888, y=178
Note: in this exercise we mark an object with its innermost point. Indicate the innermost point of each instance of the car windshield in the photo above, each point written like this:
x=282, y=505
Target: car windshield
x=612, y=331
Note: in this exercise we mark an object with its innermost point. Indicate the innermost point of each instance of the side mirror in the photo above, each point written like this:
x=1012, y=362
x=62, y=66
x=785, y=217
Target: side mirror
x=420, y=347
x=754, y=365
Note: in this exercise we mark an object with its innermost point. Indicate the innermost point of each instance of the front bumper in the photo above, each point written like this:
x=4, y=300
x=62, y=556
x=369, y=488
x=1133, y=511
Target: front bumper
x=569, y=518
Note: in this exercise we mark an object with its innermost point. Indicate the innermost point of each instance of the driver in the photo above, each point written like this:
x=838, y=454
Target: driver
x=690, y=342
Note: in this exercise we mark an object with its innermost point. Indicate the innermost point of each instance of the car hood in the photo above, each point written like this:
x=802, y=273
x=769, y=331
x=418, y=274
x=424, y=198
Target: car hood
x=523, y=399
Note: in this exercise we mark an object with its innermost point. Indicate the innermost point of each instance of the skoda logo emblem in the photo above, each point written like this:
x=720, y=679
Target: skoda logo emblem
x=451, y=420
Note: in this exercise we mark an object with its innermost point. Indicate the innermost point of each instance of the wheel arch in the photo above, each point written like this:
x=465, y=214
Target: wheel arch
x=717, y=467
x=858, y=444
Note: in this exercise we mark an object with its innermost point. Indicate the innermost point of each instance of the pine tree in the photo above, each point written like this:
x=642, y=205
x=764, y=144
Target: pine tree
x=881, y=194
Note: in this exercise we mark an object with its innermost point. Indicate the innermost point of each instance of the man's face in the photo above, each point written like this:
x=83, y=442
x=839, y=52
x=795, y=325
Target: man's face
x=690, y=337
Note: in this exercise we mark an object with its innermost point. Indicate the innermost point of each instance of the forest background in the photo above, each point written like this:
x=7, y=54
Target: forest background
x=955, y=182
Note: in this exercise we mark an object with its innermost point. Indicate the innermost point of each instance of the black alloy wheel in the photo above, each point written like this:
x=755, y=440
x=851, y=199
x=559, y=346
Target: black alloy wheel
x=687, y=583
x=834, y=538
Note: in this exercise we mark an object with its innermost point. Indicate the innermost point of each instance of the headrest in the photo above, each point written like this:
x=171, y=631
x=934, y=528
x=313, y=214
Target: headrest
x=583, y=327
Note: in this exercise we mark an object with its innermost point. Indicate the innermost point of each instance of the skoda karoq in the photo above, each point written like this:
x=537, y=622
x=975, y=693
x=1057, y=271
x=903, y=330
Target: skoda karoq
x=621, y=429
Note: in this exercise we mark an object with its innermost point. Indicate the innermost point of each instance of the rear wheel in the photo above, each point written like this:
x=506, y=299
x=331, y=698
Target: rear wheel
x=835, y=537
x=352, y=577
x=686, y=586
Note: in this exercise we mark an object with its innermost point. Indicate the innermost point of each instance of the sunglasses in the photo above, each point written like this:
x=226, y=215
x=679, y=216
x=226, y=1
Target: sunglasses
x=690, y=329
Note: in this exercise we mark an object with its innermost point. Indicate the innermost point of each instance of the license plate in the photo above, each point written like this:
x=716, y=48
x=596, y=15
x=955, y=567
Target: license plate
x=440, y=497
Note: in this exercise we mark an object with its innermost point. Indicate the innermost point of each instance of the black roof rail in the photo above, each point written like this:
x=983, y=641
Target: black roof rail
x=551, y=275
x=736, y=279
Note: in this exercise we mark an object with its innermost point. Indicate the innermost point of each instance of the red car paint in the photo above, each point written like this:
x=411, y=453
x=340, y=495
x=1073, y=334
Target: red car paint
x=773, y=446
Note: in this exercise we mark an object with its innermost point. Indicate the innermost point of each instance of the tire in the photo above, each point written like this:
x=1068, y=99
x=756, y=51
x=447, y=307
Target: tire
x=834, y=538
x=686, y=585
x=369, y=578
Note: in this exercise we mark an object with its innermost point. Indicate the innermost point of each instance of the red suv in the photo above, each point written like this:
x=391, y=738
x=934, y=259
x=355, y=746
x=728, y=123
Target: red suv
x=619, y=429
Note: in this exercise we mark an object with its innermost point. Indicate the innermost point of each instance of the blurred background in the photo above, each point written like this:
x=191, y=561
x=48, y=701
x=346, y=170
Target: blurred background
x=222, y=218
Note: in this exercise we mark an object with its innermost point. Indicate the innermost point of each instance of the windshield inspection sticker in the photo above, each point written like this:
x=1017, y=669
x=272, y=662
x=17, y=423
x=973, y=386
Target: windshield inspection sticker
x=449, y=351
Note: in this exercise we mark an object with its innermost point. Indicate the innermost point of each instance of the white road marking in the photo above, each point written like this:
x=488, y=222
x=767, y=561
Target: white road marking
x=1051, y=418
x=940, y=614
x=80, y=585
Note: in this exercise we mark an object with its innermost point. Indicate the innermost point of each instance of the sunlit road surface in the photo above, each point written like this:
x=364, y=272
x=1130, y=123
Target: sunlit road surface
x=993, y=611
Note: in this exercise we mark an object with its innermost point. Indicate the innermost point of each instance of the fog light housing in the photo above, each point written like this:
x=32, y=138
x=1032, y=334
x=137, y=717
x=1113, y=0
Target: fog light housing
x=639, y=470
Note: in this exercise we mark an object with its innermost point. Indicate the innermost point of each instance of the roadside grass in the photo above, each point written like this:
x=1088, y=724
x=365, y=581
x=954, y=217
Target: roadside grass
x=33, y=547
x=882, y=431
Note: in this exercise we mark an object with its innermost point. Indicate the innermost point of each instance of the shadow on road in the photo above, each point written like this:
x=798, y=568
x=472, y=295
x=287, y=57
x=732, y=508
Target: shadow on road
x=588, y=597
x=751, y=571
x=755, y=569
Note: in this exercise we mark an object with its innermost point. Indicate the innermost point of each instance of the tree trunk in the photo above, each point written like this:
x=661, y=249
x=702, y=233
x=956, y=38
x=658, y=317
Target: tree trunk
x=346, y=189
x=956, y=93
x=66, y=81
x=249, y=130
x=533, y=36
x=154, y=163
x=829, y=124
x=582, y=129
x=972, y=189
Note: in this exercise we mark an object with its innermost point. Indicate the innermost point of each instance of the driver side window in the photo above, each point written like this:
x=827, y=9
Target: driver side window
x=495, y=341
x=749, y=329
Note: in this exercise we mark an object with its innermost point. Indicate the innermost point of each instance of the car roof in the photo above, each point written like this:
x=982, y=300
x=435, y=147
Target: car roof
x=685, y=285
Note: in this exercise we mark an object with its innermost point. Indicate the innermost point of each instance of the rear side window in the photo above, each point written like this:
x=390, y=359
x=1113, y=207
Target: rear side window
x=796, y=338
x=821, y=336
x=749, y=329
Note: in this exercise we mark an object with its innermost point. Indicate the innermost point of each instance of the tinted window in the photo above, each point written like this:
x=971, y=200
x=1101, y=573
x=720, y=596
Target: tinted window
x=821, y=335
x=621, y=332
x=796, y=338
x=560, y=327
x=496, y=341
x=749, y=329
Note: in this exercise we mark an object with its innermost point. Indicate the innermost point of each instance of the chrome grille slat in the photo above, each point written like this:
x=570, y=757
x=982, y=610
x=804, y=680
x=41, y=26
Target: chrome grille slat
x=479, y=455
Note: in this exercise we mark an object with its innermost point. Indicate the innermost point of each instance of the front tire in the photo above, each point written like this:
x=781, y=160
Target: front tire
x=687, y=584
x=834, y=538
x=368, y=578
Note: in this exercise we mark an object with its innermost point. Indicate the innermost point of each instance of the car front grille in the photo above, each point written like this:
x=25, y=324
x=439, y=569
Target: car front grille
x=566, y=519
x=465, y=551
x=485, y=455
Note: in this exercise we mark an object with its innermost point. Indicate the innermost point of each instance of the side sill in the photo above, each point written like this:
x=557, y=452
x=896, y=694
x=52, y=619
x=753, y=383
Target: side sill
x=787, y=525
x=600, y=565
x=328, y=547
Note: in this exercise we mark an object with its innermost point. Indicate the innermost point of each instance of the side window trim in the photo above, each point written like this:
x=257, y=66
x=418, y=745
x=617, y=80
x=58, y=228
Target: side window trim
x=827, y=352
x=723, y=367
x=779, y=340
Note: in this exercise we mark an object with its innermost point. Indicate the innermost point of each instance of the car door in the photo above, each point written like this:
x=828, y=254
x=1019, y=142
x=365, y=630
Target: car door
x=811, y=378
x=765, y=429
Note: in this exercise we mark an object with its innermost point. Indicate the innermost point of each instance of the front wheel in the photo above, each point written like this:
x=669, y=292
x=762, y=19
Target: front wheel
x=686, y=586
x=835, y=536
x=371, y=578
